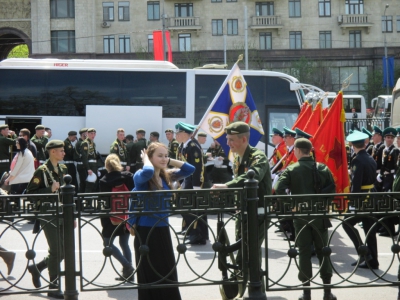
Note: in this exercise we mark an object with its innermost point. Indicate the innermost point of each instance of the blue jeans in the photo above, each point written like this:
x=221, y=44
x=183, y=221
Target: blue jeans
x=125, y=259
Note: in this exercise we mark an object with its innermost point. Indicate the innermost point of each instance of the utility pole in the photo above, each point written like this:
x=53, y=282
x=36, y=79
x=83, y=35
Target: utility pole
x=386, y=57
x=163, y=30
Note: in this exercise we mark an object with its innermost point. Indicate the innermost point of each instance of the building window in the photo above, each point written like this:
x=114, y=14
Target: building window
x=325, y=39
x=153, y=10
x=183, y=9
x=354, y=7
x=295, y=39
x=294, y=8
x=63, y=41
x=231, y=0
x=324, y=8
x=108, y=11
x=265, y=41
x=184, y=42
x=387, y=24
x=232, y=26
x=124, y=44
x=150, y=43
x=398, y=23
x=123, y=11
x=264, y=9
x=62, y=9
x=215, y=1
x=355, y=38
x=217, y=28
x=109, y=44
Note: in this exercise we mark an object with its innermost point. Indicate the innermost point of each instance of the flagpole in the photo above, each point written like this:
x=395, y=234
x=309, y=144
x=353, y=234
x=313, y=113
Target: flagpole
x=217, y=95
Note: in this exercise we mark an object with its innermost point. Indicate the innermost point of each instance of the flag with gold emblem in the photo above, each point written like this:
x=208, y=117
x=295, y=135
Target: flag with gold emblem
x=232, y=103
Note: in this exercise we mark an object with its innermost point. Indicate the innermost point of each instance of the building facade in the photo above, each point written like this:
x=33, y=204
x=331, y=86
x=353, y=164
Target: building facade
x=342, y=36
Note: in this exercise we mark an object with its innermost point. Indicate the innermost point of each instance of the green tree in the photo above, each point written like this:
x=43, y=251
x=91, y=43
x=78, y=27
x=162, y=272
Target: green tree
x=20, y=51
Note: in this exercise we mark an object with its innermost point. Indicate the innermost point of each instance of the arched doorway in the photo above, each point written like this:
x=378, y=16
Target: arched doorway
x=11, y=37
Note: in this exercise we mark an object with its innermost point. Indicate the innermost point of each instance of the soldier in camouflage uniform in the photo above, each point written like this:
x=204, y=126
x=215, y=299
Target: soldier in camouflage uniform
x=89, y=159
x=119, y=148
x=40, y=141
x=69, y=150
x=78, y=158
x=7, y=140
x=47, y=179
x=172, y=143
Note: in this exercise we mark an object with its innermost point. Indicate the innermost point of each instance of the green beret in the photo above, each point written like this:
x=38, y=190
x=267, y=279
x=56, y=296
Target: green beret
x=141, y=130
x=54, y=144
x=303, y=143
x=5, y=126
x=356, y=137
x=302, y=134
x=39, y=127
x=288, y=131
x=91, y=130
x=169, y=130
x=184, y=127
x=276, y=131
x=377, y=130
x=202, y=134
x=72, y=133
x=155, y=133
x=82, y=130
x=366, y=132
x=237, y=128
x=389, y=131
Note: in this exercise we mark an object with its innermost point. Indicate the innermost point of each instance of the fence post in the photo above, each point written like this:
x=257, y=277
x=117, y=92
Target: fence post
x=67, y=197
x=254, y=285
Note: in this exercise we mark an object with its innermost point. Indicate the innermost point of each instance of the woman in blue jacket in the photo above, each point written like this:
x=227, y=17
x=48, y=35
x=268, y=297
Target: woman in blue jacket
x=158, y=266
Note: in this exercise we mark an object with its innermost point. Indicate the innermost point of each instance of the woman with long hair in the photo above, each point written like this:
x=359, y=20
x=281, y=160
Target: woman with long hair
x=22, y=168
x=116, y=178
x=158, y=266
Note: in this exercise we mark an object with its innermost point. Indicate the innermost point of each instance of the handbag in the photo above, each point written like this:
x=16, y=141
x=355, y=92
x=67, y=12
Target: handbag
x=119, y=203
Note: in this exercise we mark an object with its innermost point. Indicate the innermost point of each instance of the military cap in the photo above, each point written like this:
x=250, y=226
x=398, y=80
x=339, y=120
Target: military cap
x=288, y=131
x=54, y=144
x=169, y=130
x=141, y=130
x=83, y=130
x=389, y=131
x=184, y=127
x=129, y=137
x=39, y=127
x=91, y=130
x=277, y=132
x=72, y=133
x=202, y=134
x=303, y=143
x=4, y=126
x=302, y=134
x=237, y=128
x=357, y=137
x=155, y=133
x=377, y=130
x=366, y=132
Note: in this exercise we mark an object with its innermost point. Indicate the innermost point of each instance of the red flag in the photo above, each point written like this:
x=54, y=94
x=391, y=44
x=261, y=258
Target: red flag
x=303, y=117
x=315, y=120
x=158, y=45
x=330, y=147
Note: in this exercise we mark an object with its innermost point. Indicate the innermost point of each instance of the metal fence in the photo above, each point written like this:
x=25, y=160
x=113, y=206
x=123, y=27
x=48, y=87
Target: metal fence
x=358, y=124
x=230, y=205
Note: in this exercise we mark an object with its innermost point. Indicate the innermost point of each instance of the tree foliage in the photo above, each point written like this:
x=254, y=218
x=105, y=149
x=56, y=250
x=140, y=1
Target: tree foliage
x=20, y=51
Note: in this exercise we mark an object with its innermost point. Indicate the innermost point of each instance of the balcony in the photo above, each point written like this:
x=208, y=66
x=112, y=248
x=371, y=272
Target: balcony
x=354, y=21
x=183, y=23
x=266, y=22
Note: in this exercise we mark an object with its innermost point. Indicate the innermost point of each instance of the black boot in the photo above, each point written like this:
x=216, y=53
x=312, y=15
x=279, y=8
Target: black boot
x=54, y=285
x=327, y=291
x=127, y=273
x=306, y=293
x=35, y=270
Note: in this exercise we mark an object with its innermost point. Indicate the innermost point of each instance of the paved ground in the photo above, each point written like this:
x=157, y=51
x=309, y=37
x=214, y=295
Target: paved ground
x=200, y=259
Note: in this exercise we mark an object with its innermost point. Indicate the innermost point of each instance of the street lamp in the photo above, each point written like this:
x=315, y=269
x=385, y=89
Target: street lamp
x=386, y=57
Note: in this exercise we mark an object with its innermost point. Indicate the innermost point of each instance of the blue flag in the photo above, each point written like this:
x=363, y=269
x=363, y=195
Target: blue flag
x=232, y=103
x=390, y=64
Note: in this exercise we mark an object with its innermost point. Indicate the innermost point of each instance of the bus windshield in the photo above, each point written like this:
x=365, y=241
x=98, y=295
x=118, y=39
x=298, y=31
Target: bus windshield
x=380, y=108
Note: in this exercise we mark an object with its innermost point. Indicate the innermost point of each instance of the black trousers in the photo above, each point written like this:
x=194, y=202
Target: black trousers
x=72, y=171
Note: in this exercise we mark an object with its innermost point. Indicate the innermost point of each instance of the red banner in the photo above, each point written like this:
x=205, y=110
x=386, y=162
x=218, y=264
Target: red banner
x=158, y=45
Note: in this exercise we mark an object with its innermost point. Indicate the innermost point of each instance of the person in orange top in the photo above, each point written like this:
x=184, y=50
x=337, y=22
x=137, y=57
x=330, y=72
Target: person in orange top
x=280, y=148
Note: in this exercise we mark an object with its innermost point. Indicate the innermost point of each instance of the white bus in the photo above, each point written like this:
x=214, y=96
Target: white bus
x=67, y=95
x=382, y=106
x=349, y=102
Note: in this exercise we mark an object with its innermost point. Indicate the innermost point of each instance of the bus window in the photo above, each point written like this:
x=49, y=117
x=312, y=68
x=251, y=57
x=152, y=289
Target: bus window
x=279, y=117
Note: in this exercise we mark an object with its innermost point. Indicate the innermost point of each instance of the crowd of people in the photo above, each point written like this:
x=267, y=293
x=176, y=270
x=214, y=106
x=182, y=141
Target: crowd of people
x=140, y=165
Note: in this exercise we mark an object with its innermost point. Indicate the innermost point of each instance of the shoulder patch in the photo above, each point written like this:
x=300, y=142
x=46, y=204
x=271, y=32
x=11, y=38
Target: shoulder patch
x=197, y=160
x=36, y=180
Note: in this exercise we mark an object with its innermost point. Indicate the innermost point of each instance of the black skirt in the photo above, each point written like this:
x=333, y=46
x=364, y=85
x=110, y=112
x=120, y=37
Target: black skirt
x=157, y=264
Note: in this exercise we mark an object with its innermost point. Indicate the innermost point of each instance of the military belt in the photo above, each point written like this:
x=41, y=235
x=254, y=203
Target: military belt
x=123, y=163
x=68, y=162
x=387, y=172
x=221, y=167
x=367, y=187
x=92, y=160
x=4, y=160
x=101, y=168
x=79, y=163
